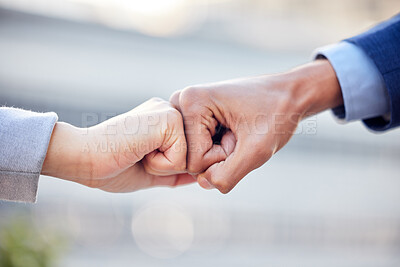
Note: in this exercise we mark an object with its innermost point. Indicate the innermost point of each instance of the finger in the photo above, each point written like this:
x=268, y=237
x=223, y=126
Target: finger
x=173, y=180
x=226, y=174
x=167, y=163
x=136, y=178
x=201, y=150
x=170, y=158
x=197, y=135
x=175, y=147
x=199, y=127
x=219, y=153
x=156, y=163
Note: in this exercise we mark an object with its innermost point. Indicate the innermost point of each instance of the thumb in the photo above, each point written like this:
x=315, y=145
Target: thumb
x=226, y=174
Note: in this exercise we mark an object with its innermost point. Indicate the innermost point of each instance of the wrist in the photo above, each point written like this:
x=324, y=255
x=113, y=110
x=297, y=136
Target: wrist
x=65, y=157
x=315, y=88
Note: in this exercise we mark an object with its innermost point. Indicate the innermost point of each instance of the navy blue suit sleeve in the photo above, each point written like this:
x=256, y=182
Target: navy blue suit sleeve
x=382, y=45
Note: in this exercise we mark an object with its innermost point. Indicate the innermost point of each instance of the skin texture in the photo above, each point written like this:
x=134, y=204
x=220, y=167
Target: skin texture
x=142, y=148
x=260, y=115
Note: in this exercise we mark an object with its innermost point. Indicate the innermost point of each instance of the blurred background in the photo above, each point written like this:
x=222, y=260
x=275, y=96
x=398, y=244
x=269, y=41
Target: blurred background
x=331, y=197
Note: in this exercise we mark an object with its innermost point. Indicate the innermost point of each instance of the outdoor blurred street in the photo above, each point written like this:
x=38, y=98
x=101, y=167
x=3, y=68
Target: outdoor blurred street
x=331, y=197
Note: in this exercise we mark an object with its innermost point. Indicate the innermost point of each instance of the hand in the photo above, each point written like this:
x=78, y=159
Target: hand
x=260, y=115
x=142, y=148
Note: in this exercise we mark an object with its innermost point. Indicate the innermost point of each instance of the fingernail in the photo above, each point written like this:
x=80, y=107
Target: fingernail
x=203, y=182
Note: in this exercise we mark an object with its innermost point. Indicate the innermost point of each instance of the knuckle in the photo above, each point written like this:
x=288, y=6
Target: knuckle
x=175, y=123
x=174, y=115
x=223, y=186
x=191, y=95
x=180, y=167
x=175, y=96
x=194, y=167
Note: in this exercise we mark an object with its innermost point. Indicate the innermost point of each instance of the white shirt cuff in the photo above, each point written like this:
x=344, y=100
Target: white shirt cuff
x=363, y=88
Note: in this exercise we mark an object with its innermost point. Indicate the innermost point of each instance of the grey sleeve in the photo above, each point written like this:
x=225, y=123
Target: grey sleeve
x=24, y=138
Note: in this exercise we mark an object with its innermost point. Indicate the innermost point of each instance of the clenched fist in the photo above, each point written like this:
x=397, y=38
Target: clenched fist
x=258, y=116
x=141, y=148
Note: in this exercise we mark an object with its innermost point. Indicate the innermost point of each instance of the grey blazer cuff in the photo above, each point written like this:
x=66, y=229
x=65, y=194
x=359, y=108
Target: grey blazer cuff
x=24, y=139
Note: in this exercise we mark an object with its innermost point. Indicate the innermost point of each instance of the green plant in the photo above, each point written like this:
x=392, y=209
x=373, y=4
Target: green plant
x=21, y=245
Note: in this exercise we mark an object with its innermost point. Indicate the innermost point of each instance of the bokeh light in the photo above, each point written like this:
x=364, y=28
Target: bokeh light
x=163, y=230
